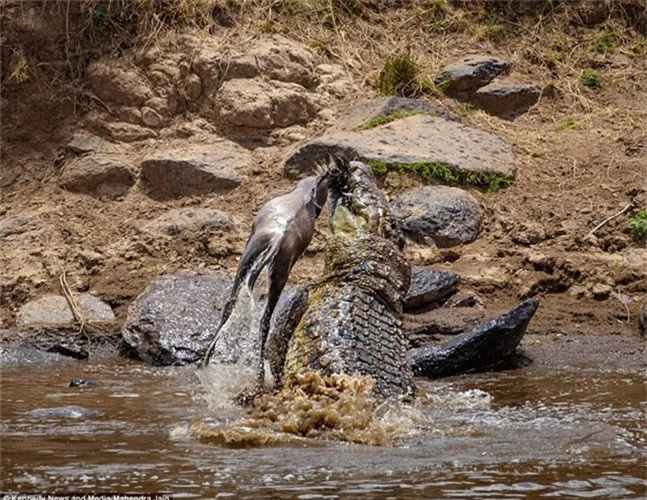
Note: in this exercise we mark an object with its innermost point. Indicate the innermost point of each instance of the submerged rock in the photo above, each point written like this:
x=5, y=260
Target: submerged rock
x=175, y=317
x=443, y=215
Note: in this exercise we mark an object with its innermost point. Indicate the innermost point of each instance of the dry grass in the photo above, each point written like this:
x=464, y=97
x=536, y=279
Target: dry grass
x=558, y=41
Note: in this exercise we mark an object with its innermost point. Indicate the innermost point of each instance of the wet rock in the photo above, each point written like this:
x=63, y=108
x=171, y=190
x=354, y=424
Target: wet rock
x=429, y=285
x=129, y=132
x=114, y=82
x=70, y=350
x=506, y=100
x=484, y=347
x=424, y=328
x=190, y=220
x=413, y=140
x=601, y=291
x=643, y=318
x=470, y=73
x=195, y=169
x=80, y=382
x=360, y=114
x=442, y=215
x=88, y=143
x=12, y=226
x=257, y=104
x=99, y=174
x=71, y=411
x=53, y=310
x=175, y=318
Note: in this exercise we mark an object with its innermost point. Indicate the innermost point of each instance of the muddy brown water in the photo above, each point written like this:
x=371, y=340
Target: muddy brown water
x=534, y=432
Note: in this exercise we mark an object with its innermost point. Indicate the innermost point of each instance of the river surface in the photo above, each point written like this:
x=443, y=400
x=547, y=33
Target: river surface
x=527, y=433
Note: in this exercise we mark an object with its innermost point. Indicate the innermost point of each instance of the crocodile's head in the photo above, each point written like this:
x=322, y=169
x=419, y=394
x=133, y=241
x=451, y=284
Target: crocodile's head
x=357, y=206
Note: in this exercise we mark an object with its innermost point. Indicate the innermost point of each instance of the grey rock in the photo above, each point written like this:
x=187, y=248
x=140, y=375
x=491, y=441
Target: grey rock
x=195, y=169
x=175, y=317
x=448, y=216
x=190, y=220
x=416, y=139
x=88, y=143
x=470, y=73
x=15, y=225
x=98, y=173
x=53, y=310
x=482, y=348
x=359, y=114
x=506, y=100
x=429, y=285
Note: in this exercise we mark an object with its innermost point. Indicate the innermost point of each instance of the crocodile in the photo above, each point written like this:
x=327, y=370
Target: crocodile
x=350, y=319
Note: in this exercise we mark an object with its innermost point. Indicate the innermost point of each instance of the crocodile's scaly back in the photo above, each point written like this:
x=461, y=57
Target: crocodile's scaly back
x=353, y=317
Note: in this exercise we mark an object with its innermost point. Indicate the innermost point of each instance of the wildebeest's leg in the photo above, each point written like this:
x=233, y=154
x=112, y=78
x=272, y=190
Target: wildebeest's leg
x=278, y=274
x=253, y=249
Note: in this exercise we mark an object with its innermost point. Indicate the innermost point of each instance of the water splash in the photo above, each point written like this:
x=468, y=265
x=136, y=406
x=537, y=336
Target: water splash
x=236, y=355
x=338, y=407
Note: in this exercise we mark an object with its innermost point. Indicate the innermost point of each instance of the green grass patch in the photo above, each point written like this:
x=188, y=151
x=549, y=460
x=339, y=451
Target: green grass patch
x=399, y=76
x=591, y=78
x=638, y=223
x=391, y=117
x=441, y=172
x=568, y=123
x=605, y=42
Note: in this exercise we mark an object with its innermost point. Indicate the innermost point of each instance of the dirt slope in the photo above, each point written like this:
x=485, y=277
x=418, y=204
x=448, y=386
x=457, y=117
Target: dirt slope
x=581, y=152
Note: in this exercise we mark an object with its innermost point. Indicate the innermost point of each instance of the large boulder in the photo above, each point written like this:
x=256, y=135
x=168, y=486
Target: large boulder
x=443, y=215
x=195, y=170
x=419, y=139
x=54, y=311
x=175, y=317
x=470, y=73
x=97, y=174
